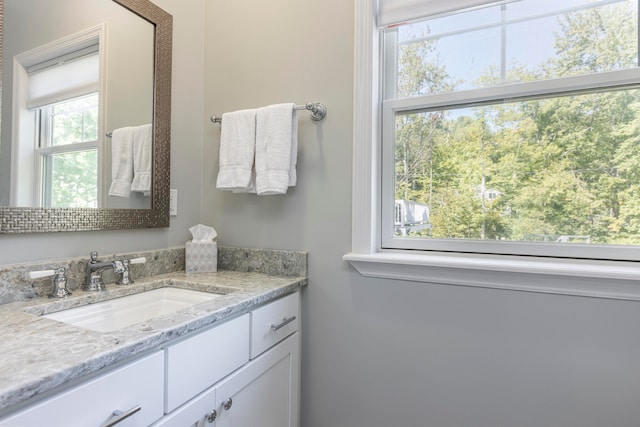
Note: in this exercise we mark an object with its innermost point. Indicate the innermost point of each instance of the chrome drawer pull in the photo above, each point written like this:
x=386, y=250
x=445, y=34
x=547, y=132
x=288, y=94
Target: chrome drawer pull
x=282, y=324
x=121, y=416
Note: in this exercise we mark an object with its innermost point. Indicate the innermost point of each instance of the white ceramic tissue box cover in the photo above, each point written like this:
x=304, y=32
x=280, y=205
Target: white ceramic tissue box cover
x=201, y=257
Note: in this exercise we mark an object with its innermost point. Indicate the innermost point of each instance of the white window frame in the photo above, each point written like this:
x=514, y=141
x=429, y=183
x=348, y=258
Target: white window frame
x=583, y=277
x=25, y=178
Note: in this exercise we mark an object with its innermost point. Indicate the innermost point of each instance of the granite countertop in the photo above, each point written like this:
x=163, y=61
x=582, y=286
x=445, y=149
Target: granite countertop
x=38, y=354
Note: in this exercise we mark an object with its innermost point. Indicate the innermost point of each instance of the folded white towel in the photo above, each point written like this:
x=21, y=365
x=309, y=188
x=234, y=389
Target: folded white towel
x=142, y=151
x=121, y=162
x=237, y=150
x=276, y=148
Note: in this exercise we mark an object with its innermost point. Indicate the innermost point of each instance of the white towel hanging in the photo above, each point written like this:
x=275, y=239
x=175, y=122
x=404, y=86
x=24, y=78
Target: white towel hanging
x=276, y=148
x=142, y=153
x=121, y=162
x=237, y=150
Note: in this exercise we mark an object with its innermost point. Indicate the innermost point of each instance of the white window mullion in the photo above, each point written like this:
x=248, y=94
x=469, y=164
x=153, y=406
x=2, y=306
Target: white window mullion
x=388, y=177
x=518, y=91
x=390, y=53
x=68, y=148
x=503, y=43
x=366, y=112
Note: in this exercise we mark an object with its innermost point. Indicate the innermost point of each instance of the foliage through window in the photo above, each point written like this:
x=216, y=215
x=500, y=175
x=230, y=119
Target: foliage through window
x=517, y=122
x=68, y=153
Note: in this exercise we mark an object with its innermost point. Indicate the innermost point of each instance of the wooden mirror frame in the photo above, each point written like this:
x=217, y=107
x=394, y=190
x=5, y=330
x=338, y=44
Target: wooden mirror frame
x=32, y=220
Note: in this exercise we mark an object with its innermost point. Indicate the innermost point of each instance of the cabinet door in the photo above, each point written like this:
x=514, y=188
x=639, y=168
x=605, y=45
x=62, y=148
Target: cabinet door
x=197, y=363
x=265, y=392
x=198, y=412
x=139, y=384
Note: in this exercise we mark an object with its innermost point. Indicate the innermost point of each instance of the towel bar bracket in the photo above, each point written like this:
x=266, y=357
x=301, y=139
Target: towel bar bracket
x=318, y=110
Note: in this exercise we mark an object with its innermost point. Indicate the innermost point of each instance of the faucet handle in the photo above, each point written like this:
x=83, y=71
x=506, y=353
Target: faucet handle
x=94, y=256
x=39, y=274
x=59, y=281
x=122, y=268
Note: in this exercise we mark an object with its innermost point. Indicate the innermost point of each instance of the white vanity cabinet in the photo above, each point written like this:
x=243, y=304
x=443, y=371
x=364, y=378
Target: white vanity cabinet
x=243, y=372
x=136, y=388
x=263, y=392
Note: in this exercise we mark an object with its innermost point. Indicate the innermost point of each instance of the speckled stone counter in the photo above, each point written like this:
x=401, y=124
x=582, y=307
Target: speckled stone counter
x=14, y=286
x=37, y=355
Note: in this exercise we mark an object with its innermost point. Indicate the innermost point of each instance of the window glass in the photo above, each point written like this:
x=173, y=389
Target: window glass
x=513, y=123
x=68, y=153
x=72, y=179
x=520, y=41
x=555, y=169
x=74, y=121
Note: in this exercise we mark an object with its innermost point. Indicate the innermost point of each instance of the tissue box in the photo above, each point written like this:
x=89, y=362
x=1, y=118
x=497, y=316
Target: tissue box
x=201, y=257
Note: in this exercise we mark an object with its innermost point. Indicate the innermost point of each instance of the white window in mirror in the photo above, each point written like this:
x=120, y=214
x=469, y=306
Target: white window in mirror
x=57, y=120
x=63, y=94
x=67, y=153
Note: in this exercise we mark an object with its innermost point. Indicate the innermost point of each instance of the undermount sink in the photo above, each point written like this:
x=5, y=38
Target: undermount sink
x=118, y=313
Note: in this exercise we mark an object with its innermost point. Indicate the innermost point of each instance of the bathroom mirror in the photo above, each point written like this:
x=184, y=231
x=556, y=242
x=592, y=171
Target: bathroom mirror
x=20, y=219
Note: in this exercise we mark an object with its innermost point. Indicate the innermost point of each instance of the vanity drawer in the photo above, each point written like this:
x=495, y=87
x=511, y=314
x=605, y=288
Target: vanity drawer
x=139, y=384
x=274, y=322
x=198, y=362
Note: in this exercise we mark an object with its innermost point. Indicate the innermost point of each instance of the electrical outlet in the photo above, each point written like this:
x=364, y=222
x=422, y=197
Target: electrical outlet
x=173, y=202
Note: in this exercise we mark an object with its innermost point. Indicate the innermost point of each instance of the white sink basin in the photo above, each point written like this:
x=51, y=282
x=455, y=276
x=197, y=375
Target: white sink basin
x=119, y=313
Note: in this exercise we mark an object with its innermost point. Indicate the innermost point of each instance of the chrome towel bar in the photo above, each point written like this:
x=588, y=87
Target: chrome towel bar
x=318, y=111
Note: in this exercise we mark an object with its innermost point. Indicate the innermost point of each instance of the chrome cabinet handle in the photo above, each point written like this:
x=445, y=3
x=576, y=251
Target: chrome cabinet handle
x=282, y=324
x=227, y=404
x=211, y=416
x=122, y=415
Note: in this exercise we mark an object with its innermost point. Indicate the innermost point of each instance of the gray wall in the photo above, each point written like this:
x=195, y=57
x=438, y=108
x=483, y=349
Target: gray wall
x=376, y=353
x=386, y=353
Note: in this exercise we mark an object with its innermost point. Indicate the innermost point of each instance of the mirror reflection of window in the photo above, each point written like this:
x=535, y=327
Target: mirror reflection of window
x=68, y=153
x=63, y=105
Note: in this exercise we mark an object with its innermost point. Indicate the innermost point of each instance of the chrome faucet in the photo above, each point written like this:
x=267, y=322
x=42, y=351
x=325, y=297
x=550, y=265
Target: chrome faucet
x=95, y=268
x=94, y=281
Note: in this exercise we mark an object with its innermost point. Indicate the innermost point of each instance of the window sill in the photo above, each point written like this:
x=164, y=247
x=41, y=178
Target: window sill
x=589, y=278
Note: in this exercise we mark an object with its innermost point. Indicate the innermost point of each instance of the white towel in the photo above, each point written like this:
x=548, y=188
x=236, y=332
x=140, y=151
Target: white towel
x=237, y=150
x=142, y=153
x=276, y=148
x=121, y=162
